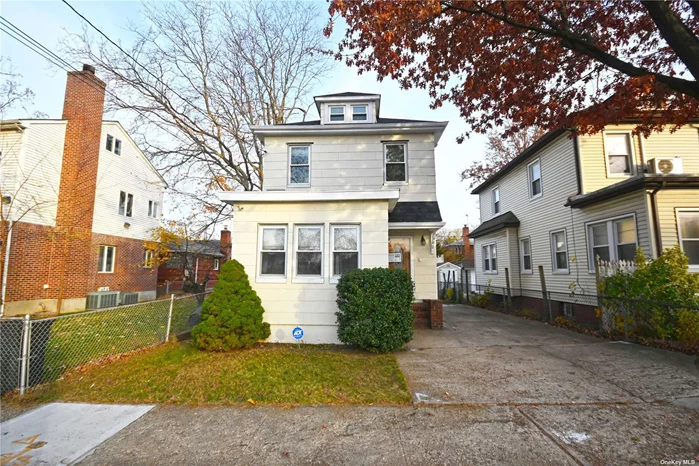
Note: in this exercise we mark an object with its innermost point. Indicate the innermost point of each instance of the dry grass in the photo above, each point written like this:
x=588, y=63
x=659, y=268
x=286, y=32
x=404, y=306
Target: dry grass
x=179, y=373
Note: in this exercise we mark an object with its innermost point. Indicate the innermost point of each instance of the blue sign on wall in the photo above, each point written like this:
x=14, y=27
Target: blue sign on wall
x=297, y=333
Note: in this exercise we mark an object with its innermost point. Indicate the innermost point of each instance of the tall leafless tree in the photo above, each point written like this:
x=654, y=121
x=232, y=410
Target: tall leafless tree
x=210, y=71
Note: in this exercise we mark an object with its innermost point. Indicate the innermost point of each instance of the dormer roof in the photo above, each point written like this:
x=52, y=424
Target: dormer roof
x=348, y=97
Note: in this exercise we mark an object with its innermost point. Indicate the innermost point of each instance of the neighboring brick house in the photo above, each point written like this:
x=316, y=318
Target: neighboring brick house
x=193, y=264
x=79, y=200
x=462, y=248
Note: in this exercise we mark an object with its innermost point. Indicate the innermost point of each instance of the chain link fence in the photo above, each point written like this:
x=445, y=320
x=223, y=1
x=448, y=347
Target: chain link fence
x=630, y=319
x=35, y=351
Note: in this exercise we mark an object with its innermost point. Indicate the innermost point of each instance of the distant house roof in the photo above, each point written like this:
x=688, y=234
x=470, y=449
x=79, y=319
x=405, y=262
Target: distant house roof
x=508, y=219
x=348, y=94
x=210, y=247
x=380, y=120
x=455, y=243
x=441, y=264
x=415, y=212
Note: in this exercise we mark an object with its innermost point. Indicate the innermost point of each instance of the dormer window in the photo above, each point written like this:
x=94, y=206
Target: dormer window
x=337, y=113
x=359, y=113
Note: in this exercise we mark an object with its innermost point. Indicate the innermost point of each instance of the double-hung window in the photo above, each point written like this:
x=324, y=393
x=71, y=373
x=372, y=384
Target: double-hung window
x=619, y=156
x=337, y=114
x=125, y=204
x=612, y=240
x=688, y=222
x=345, y=243
x=153, y=209
x=117, y=147
x=299, y=165
x=216, y=264
x=272, y=244
x=534, y=175
x=359, y=113
x=147, y=258
x=105, y=262
x=559, y=251
x=525, y=247
x=490, y=256
x=496, y=201
x=396, y=159
x=308, y=252
x=110, y=142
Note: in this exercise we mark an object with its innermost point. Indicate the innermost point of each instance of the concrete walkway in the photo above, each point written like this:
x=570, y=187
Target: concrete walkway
x=494, y=389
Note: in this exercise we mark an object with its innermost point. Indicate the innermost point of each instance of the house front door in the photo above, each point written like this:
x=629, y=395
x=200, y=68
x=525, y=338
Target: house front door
x=399, y=254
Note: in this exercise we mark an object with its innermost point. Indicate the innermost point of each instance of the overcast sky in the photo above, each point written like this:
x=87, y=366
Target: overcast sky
x=49, y=21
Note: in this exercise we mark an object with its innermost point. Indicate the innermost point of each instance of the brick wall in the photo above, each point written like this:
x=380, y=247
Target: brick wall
x=129, y=273
x=428, y=314
x=30, y=254
x=70, y=262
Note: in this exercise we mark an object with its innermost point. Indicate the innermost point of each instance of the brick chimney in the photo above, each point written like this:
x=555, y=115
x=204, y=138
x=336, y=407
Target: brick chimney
x=71, y=260
x=468, y=252
x=226, y=242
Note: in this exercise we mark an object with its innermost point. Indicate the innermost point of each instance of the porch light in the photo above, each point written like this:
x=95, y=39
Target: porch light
x=422, y=240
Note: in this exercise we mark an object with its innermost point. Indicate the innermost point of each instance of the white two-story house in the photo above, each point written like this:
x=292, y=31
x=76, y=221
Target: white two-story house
x=351, y=190
x=80, y=201
x=568, y=199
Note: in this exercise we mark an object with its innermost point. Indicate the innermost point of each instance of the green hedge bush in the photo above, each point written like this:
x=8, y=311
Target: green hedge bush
x=231, y=316
x=376, y=311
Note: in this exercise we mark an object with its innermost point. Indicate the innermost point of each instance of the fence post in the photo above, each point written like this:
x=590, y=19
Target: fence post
x=24, y=360
x=468, y=286
x=169, y=317
x=547, y=301
x=167, y=286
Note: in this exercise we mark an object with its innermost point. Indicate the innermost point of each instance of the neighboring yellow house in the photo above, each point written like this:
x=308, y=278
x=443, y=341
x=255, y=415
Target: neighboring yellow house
x=567, y=199
x=351, y=190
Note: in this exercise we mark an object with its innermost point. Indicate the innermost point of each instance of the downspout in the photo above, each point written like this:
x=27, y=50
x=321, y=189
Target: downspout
x=578, y=178
x=656, y=218
x=5, y=267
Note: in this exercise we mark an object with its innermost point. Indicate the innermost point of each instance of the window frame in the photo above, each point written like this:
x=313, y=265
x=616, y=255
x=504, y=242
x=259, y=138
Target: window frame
x=490, y=247
x=272, y=278
x=405, y=162
x=117, y=146
x=612, y=242
x=289, y=184
x=631, y=154
x=320, y=278
x=153, y=209
x=332, y=277
x=493, y=202
x=109, y=144
x=216, y=264
x=102, y=262
x=148, y=257
x=366, y=112
x=128, y=204
x=554, y=265
x=680, y=239
x=522, y=269
x=531, y=180
x=330, y=114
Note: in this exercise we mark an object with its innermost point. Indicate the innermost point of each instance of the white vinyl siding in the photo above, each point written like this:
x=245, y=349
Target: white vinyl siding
x=354, y=163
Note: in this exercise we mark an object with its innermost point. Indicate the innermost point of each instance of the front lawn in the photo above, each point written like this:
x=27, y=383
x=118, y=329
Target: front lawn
x=179, y=373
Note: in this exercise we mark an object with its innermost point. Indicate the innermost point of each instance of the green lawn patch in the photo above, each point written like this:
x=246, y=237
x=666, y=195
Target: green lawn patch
x=179, y=373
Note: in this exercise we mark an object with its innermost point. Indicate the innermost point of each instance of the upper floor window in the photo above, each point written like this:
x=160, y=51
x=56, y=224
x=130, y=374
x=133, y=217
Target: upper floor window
x=272, y=245
x=300, y=165
x=559, y=251
x=618, y=148
x=153, y=209
x=688, y=223
x=534, y=174
x=147, y=258
x=613, y=239
x=110, y=142
x=496, y=201
x=337, y=113
x=125, y=204
x=395, y=157
x=359, y=113
x=525, y=247
x=106, y=258
x=490, y=255
x=216, y=264
x=117, y=147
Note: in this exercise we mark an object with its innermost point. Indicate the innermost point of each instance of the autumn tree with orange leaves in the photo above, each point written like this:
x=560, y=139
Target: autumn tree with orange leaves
x=544, y=64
